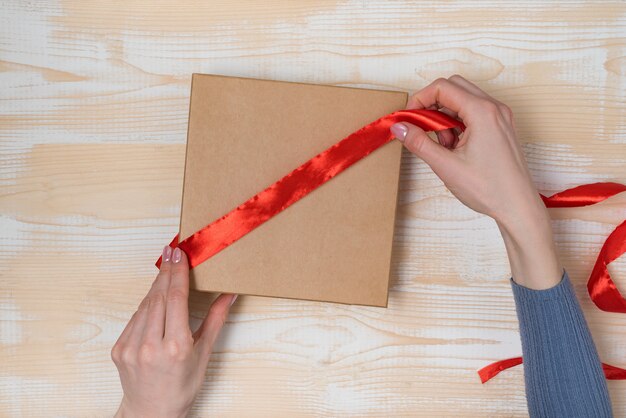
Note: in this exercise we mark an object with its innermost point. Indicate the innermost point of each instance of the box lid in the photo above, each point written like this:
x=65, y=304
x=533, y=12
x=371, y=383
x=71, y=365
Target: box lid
x=334, y=244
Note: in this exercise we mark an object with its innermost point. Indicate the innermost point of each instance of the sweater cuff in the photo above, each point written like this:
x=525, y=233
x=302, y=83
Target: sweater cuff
x=560, y=290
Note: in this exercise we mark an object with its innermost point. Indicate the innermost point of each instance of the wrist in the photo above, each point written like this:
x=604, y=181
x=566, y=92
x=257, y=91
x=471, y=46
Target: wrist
x=527, y=235
x=527, y=227
x=128, y=411
x=523, y=213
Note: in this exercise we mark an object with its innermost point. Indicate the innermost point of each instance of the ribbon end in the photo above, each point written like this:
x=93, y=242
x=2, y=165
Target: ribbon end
x=492, y=370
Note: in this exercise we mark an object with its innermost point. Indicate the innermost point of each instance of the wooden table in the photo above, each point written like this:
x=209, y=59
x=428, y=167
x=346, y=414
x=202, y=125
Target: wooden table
x=93, y=115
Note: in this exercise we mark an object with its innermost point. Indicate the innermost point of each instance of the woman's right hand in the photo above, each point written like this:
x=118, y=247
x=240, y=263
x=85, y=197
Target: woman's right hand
x=485, y=168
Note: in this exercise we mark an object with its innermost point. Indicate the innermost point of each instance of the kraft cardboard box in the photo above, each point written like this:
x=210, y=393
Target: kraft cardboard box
x=333, y=245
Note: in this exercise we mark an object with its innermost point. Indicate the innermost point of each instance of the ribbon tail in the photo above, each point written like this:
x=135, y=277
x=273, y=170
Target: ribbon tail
x=493, y=369
x=583, y=195
x=613, y=372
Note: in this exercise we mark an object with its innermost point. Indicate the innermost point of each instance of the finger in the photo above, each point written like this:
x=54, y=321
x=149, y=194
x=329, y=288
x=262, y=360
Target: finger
x=128, y=329
x=136, y=332
x=155, y=324
x=414, y=103
x=446, y=164
x=213, y=323
x=469, y=86
x=177, y=317
x=446, y=94
x=122, y=340
x=477, y=91
x=420, y=144
x=448, y=137
x=449, y=112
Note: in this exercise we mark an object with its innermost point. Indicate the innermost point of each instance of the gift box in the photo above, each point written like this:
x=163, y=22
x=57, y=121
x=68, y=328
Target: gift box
x=332, y=245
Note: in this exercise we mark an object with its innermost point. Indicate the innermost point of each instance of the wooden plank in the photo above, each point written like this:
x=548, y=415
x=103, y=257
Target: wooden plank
x=93, y=115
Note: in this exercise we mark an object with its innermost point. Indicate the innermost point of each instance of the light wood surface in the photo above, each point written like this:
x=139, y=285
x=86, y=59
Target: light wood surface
x=93, y=116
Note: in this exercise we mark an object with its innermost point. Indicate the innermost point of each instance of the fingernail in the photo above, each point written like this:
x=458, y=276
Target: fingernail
x=399, y=130
x=233, y=300
x=177, y=255
x=167, y=253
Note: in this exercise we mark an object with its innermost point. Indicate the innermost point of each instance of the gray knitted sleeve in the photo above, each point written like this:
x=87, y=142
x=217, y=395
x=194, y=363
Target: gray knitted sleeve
x=562, y=370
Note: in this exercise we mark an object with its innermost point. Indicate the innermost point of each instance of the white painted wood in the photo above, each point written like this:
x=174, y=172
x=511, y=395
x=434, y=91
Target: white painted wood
x=93, y=114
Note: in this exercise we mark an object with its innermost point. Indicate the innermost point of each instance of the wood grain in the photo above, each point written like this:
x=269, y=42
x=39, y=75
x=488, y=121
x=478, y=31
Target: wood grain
x=93, y=116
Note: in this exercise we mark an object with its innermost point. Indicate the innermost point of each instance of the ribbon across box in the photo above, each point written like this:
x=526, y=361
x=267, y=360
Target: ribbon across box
x=334, y=244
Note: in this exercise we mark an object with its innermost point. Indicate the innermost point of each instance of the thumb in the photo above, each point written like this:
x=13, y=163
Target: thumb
x=208, y=332
x=415, y=140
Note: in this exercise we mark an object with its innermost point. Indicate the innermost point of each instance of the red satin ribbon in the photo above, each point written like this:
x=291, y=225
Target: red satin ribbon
x=222, y=232
x=493, y=369
x=486, y=373
x=585, y=195
x=600, y=286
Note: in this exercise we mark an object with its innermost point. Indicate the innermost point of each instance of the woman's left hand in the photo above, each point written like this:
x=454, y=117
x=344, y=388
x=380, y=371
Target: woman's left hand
x=161, y=362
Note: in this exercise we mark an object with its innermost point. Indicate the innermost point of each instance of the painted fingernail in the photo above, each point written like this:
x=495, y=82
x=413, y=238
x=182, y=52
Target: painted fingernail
x=399, y=130
x=233, y=300
x=177, y=255
x=167, y=253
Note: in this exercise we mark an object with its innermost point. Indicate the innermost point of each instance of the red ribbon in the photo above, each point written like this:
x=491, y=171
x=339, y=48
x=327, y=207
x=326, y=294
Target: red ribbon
x=585, y=195
x=492, y=370
x=224, y=231
x=600, y=286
